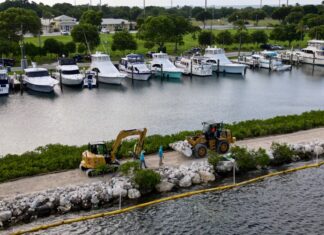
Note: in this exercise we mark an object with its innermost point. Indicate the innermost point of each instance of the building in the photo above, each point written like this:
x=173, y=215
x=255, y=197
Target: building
x=63, y=23
x=109, y=24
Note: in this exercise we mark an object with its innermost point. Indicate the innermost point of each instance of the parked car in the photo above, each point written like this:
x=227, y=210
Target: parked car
x=149, y=54
x=271, y=47
x=105, y=30
x=63, y=32
x=7, y=62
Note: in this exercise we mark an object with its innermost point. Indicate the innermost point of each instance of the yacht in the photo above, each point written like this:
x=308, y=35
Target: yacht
x=162, y=66
x=195, y=65
x=134, y=66
x=4, y=82
x=38, y=79
x=313, y=53
x=271, y=60
x=107, y=72
x=69, y=71
x=225, y=65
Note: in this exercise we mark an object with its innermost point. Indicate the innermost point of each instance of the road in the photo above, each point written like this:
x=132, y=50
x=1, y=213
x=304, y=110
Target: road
x=76, y=177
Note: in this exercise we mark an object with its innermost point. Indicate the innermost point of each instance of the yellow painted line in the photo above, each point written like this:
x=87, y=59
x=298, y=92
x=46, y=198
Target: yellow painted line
x=174, y=197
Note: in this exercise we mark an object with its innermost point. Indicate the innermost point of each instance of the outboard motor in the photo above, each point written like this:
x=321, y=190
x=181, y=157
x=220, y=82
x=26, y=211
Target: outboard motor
x=90, y=81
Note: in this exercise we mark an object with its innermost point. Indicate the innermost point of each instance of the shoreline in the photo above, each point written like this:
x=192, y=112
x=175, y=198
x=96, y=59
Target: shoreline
x=46, y=181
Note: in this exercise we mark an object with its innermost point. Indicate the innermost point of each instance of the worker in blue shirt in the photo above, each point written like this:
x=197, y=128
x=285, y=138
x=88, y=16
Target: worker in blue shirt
x=161, y=156
x=142, y=159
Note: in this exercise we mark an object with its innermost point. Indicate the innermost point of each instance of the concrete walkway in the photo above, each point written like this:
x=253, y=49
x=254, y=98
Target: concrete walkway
x=75, y=177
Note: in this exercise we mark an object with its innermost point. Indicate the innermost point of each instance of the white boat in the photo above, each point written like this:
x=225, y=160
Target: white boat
x=134, y=66
x=4, y=82
x=38, y=79
x=270, y=60
x=90, y=80
x=107, y=72
x=225, y=65
x=162, y=66
x=69, y=71
x=313, y=53
x=195, y=65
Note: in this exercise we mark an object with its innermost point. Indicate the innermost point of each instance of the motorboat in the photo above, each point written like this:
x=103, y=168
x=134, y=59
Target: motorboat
x=38, y=79
x=107, y=72
x=313, y=53
x=4, y=82
x=215, y=54
x=90, y=80
x=134, y=66
x=271, y=60
x=162, y=66
x=68, y=71
x=195, y=65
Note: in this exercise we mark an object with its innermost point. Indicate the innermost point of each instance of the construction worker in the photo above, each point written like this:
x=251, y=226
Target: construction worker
x=161, y=156
x=142, y=159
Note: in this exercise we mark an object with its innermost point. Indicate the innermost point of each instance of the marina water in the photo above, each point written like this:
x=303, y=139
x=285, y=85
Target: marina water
x=77, y=116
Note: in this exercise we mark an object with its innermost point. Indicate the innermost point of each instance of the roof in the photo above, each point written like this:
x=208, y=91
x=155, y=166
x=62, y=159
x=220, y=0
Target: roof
x=64, y=18
x=114, y=21
x=34, y=69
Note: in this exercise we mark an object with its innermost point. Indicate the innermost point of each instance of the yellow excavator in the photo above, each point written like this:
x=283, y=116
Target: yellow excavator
x=98, y=153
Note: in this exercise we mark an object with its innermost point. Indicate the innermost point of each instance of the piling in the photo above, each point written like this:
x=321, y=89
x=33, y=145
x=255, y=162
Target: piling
x=132, y=74
x=191, y=68
x=21, y=84
x=217, y=71
x=97, y=78
x=61, y=85
x=270, y=63
x=162, y=72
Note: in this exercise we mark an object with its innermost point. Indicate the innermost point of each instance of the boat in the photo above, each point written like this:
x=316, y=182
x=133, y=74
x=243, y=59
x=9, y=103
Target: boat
x=38, y=79
x=4, y=82
x=195, y=65
x=162, y=66
x=90, y=80
x=134, y=66
x=69, y=72
x=313, y=53
x=107, y=72
x=216, y=54
x=271, y=60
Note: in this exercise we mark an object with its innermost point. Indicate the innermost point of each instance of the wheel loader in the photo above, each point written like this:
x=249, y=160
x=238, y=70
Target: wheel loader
x=98, y=153
x=214, y=137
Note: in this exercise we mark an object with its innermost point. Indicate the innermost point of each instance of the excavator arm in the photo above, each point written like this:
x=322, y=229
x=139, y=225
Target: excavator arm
x=124, y=134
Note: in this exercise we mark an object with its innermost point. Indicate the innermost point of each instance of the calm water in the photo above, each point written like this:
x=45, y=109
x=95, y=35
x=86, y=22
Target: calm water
x=288, y=204
x=78, y=116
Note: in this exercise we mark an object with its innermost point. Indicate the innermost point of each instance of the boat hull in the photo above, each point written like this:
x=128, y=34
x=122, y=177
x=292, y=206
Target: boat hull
x=309, y=60
x=234, y=69
x=4, y=89
x=40, y=88
x=110, y=80
x=71, y=82
x=139, y=76
x=169, y=74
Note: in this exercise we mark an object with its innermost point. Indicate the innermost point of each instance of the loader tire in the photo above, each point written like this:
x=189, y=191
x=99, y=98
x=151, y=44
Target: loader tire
x=200, y=151
x=223, y=147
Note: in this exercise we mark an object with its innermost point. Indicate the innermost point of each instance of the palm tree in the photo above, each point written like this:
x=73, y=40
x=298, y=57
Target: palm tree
x=240, y=27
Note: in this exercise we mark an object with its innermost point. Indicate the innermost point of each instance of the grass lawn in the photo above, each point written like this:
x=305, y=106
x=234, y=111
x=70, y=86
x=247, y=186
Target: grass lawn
x=189, y=42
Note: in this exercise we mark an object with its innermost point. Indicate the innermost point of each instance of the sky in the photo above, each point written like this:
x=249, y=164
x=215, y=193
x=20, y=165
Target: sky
x=178, y=2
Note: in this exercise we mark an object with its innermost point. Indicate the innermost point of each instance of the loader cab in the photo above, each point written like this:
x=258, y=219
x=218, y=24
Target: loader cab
x=213, y=129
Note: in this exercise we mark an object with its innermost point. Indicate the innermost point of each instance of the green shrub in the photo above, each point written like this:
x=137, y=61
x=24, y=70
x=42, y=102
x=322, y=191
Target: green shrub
x=129, y=167
x=261, y=157
x=146, y=180
x=245, y=160
x=104, y=169
x=214, y=159
x=282, y=154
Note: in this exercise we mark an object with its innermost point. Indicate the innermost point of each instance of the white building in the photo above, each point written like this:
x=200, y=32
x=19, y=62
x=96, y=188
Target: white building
x=116, y=24
x=63, y=23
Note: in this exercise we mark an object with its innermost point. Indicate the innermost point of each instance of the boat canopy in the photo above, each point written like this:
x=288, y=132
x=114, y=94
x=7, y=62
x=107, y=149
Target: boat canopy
x=214, y=51
x=270, y=53
x=160, y=55
x=135, y=58
x=67, y=61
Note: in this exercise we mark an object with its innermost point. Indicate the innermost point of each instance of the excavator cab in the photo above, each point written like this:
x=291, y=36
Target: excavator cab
x=98, y=153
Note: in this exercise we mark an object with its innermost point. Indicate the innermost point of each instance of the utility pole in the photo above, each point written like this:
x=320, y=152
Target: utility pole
x=205, y=14
x=287, y=3
x=260, y=3
x=171, y=3
x=144, y=8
